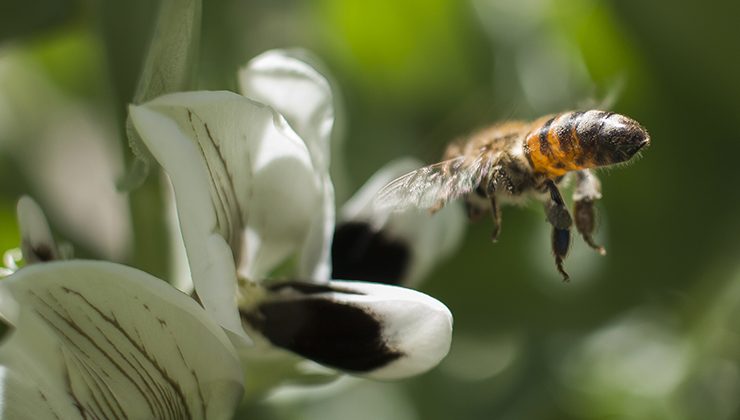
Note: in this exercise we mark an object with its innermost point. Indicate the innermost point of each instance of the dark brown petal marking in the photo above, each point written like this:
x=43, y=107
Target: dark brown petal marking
x=71, y=357
x=204, y=405
x=48, y=405
x=67, y=319
x=223, y=194
x=94, y=383
x=68, y=384
x=332, y=333
x=544, y=143
x=163, y=395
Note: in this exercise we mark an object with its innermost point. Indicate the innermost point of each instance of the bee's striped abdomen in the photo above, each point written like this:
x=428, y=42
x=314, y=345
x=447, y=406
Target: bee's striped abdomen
x=553, y=147
x=578, y=140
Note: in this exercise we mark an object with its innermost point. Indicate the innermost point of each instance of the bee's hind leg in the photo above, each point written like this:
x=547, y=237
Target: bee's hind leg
x=560, y=245
x=559, y=218
x=490, y=193
x=588, y=190
x=496, y=216
x=501, y=181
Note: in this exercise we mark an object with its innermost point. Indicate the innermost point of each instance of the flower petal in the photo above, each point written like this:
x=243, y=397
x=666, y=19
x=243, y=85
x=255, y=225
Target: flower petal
x=315, y=257
x=37, y=243
x=284, y=80
x=101, y=340
x=374, y=244
x=368, y=329
x=245, y=187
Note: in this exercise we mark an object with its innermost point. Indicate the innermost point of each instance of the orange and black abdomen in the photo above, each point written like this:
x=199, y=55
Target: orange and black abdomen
x=579, y=140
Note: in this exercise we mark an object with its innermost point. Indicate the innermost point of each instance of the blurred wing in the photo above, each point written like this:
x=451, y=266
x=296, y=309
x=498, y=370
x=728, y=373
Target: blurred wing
x=433, y=185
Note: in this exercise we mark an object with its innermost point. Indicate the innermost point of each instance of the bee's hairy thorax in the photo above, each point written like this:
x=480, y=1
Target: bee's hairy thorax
x=507, y=171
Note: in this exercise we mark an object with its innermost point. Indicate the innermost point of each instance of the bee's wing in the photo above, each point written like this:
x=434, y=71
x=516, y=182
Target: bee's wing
x=433, y=185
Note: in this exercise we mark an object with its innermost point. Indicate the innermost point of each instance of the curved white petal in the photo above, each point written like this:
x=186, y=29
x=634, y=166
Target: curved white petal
x=22, y=398
x=244, y=182
x=284, y=80
x=366, y=329
x=417, y=325
x=268, y=368
x=315, y=256
x=101, y=340
x=430, y=238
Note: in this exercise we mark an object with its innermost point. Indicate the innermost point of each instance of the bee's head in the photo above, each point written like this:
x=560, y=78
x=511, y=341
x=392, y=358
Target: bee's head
x=611, y=138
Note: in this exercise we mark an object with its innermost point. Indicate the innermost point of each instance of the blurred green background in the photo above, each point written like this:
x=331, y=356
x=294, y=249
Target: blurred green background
x=651, y=331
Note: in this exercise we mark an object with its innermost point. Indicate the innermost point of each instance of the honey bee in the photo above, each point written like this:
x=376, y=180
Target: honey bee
x=516, y=160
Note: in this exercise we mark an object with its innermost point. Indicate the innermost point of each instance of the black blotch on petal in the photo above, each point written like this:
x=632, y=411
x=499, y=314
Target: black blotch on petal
x=38, y=253
x=331, y=333
x=5, y=329
x=43, y=253
x=361, y=253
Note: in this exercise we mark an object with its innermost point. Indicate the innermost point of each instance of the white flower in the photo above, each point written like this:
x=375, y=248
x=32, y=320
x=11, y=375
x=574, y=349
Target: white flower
x=92, y=339
x=251, y=183
x=377, y=244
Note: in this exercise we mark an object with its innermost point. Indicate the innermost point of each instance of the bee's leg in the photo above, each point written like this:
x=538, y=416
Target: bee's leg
x=490, y=193
x=588, y=190
x=559, y=218
x=560, y=245
x=496, y=215
x=502, y=181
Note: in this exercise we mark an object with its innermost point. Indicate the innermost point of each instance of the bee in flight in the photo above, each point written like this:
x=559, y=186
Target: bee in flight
x=515, y=160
